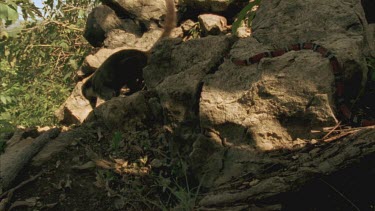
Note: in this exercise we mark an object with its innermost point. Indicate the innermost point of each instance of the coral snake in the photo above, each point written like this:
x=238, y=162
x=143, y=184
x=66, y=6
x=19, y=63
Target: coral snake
x=355, y=120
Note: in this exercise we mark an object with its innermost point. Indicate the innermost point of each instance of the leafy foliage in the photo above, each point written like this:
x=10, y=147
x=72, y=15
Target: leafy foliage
x=39, y=62
x=116, y=140
x=247, y=13
x=9, y=14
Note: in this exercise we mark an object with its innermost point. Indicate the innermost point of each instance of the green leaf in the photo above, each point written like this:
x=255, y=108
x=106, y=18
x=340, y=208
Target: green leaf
x=9, y=99
x=8, y=13
x=67, y=75
x=73, y=63
x=64, y=45
x=242, y=15
x=3, y=99
x=81, y=13
x=7, y=52
x=47, y=71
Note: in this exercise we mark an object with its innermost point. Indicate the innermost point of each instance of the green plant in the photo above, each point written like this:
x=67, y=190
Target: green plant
x=180, y=189
x=9, y=13
x=5, y=128
x=248, y=13
x=39, y=59
x=195, y=31
x=116, y=140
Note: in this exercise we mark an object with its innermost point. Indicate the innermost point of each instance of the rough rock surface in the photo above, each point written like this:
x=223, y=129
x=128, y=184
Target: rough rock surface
x=128, y=112
x=340, y=30
x=144, y=10
x=212, y=24
x=101, y=20
x=177, y=72
x=19, y=152
x=245, y=111
x=187, y=25
x=210, y=5
x=64, y=139
x=125, y=40
x=138, y=15
x=75, y=109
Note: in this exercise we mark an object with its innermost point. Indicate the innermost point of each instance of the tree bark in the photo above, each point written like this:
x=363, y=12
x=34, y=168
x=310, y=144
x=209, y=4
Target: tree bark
x=298, y=168
x=18, y=154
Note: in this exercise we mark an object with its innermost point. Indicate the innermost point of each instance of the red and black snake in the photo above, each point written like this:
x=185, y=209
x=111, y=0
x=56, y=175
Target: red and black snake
x=355, y=120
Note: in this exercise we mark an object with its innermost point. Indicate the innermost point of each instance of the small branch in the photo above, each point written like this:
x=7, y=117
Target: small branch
x=52, y=22
x=341, y=194
x=12, y=190
x=331, y=131
x=64, y=25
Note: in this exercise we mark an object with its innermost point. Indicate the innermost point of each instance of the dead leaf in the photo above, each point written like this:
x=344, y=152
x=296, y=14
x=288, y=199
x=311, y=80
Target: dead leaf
x=88, y=165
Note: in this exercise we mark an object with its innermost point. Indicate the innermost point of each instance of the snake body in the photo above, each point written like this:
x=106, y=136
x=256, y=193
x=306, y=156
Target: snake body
x=343, y=108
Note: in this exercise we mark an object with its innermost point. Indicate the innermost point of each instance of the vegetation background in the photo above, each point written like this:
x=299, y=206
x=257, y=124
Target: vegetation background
x=39, y=55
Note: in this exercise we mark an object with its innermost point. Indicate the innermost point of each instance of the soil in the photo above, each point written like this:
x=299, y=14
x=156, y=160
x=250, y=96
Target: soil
x=64, y=187
x=61, y=188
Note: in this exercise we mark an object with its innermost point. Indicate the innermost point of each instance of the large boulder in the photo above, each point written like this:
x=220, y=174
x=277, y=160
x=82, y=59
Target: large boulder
x=101, y=20
x=135, y=18
x=230, y=115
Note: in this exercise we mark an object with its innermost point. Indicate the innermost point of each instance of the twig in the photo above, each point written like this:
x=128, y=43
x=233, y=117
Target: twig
x=10, y=191
x=331, y=131
x=341, y=194
x=340, y=135
x=349, y=129
x=343, y=132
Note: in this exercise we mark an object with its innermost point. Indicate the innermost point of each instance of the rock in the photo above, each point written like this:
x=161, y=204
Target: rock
x=243, y=32
x=210, y=148
x=234, y=117
x=187, y=26
x=52, y=148
x=75, y=109
x=93, y=62
x=342, y=33
x=101, y=20
x=119, y=38
x=154, y=10
x=19, y=152
x=126, y=112
x=262, y=107
x=176, y=72
x=212, y=24
x=209, y=6
x=229, y=97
